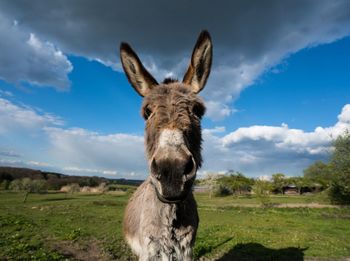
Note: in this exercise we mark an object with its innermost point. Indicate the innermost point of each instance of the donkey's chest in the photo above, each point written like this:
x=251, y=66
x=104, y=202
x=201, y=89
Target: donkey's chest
x=172, y=243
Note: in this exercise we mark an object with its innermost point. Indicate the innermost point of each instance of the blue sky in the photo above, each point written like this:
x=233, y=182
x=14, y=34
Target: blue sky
x=275, y=99
x=308, y=90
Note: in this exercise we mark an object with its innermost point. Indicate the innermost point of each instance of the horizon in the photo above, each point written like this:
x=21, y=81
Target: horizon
x=276, y=98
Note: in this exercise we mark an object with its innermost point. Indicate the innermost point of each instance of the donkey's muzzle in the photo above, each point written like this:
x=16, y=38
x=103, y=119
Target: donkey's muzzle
x=174, y=176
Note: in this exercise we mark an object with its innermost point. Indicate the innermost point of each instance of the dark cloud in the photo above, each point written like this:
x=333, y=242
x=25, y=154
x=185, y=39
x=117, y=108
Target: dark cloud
x=249, y=36
x=248, y=28
x=24, y=57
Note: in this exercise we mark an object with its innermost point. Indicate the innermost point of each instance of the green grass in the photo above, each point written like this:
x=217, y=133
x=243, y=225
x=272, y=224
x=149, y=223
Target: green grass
x=320, y=198
x=83, y=226
x=47, y=220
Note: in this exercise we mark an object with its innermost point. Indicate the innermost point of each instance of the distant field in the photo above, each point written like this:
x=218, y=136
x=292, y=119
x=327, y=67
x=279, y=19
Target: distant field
x=88, y=227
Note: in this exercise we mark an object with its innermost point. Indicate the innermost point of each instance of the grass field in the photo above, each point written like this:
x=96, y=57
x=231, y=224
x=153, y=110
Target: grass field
x=88, y=227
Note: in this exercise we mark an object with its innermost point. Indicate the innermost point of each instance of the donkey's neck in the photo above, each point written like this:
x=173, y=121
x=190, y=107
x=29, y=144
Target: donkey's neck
x=168, y=213
x=171, y=214
x=172, y=226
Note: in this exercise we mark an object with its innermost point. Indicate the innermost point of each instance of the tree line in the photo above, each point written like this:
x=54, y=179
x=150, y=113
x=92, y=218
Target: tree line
x=332, y=177
x=55, y=181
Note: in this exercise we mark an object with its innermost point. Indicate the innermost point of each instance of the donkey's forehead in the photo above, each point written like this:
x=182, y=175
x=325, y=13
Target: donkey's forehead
x=167, y=92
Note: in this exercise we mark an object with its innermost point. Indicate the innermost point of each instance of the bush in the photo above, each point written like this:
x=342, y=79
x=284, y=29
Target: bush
x=222, y=191
x=16, y=185
x=71, y=188
x=236, y=182
x=103, y=187
x=38, y=186
x=340, y=186
x=262, y=191
x=5, y=184
x=339, y=191
x=28, y=186
x=320, y=172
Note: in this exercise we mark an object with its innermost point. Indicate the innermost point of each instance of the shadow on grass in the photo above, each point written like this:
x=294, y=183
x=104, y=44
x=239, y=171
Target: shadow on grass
x=257, y=252
x=205, y=249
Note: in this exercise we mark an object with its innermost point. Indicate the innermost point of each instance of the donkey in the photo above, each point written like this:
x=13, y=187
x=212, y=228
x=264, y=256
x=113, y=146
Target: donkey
x=161, y=218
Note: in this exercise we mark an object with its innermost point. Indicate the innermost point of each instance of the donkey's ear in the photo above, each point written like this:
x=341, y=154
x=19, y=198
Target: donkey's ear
x=138, y=76
x=199, y=68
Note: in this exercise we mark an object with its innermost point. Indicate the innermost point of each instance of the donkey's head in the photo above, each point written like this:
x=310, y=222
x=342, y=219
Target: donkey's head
x=172, y=111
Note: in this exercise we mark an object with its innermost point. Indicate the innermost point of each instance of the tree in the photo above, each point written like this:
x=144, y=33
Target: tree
x=28, y=186
x=278, y=182
x=5, y=184
x=73, y=188
x=16, y=185
x=320, y=172
x=340, y=160
x=211, y=180
x=262, y=190
x=103, y=188
x=299, y=182
x=236, y=182
x=222, y=190
x=93, y=182
x=39, y=186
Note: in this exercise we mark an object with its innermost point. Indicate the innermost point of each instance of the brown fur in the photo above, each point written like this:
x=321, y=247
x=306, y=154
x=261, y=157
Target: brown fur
x=174, y=106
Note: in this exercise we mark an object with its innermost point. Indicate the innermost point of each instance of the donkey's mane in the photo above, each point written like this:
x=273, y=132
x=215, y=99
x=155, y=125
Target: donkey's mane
x=170, y=80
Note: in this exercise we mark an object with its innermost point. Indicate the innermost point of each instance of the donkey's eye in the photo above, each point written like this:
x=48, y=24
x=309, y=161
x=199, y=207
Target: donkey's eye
x=147, y=112
x=198, y=110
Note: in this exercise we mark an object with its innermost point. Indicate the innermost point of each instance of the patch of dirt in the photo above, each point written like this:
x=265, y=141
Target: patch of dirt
x=327, y=259
x=305, y=205
x=301, y=258
x=89, y=251
x=287, y=205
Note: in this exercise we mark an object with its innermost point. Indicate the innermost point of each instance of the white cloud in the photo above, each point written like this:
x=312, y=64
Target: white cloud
x=25, y=58
x=260, y=150
x=217, y=111
x=217, y=129
x=265, y=177
x=38, y=164
x=25, y=164
x=9, y=153
x=344, y=116
x=255, y=150
x=72, y=150
x=86, y=150
x=20, y=118
x=5, y=93
x=89, y=171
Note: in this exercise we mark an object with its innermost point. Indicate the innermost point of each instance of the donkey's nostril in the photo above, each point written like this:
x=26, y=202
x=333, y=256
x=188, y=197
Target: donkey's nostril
x=189, y=166
x=154, y=169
